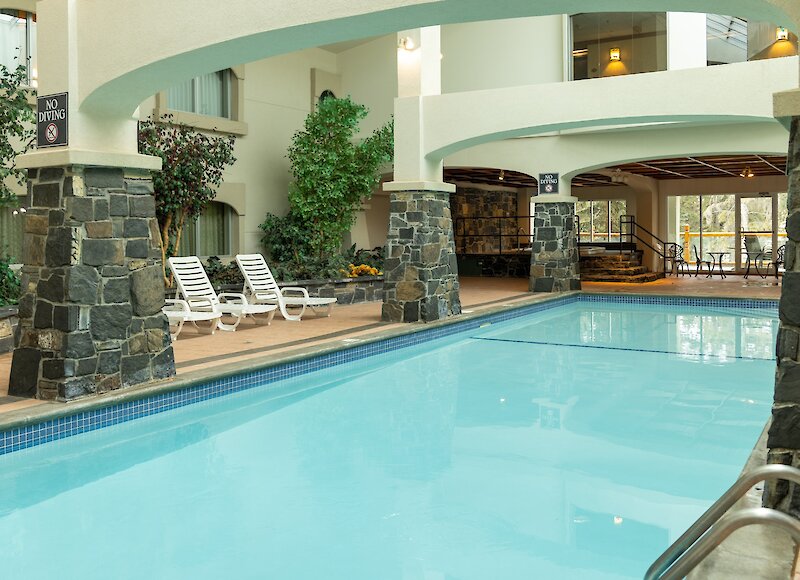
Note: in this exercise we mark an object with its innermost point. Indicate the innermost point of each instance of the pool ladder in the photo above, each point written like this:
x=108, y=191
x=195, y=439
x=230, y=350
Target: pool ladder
x=715, y=525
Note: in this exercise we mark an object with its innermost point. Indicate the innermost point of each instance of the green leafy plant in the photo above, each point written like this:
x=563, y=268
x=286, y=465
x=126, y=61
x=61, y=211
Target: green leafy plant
x=9, y=282
x=17, y=128
x=220, y=273
x=333, y=174
x=191, y=172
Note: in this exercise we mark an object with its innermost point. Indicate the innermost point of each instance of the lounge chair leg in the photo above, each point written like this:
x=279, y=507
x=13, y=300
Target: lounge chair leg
x=267, y=320
x=229, y=327
x=178, y=328
x=208, y=328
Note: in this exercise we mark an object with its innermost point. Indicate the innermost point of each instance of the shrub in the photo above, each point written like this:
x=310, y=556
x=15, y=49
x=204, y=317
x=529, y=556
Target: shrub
x=9, y=282
x=191, y=171
x=17, y=122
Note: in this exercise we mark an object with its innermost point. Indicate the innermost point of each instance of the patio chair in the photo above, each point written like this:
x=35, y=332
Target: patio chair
x=778, y=260
x=178, y=312
x=698, y=261
x=196, y=290
x=678, y=263
x=755, y=255
x=261, y=288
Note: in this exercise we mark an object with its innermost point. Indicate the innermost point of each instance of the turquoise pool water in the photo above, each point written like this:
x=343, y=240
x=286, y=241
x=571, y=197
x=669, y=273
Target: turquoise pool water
x=573, y=443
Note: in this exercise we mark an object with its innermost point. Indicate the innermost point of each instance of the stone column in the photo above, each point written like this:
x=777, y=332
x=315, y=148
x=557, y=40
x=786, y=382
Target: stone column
x=420, y=273
x=90, y=314
x=554, y=256
x=784, y=433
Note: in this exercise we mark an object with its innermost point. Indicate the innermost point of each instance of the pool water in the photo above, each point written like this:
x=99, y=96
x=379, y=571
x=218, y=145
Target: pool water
x=573, y=443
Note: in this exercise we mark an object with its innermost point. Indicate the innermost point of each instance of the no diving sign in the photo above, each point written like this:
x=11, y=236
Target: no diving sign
x=51, y=120
x=548, y=183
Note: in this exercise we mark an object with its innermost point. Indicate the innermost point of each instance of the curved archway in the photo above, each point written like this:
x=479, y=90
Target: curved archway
x=116, y=77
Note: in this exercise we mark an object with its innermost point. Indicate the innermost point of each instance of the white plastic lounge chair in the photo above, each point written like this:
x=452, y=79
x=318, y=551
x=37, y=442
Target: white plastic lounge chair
x=261, y=288
x=196, y=290
x=178, y=312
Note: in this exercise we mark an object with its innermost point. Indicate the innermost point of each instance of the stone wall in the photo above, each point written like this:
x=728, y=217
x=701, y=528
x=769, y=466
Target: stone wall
x=517, y=265
x=421, y=275
x=784, y=433
x=554, y=257
x=90, y=313
x=345, y=290
x=480, y=236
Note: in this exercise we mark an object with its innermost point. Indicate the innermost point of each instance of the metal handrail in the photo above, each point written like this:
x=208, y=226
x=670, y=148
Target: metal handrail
x=661, y=252
x=690, y=549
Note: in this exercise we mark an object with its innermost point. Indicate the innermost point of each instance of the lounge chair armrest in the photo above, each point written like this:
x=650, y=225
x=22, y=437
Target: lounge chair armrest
x=234, y=297
x=200, y=304
x=296, y=290
x=171, y=303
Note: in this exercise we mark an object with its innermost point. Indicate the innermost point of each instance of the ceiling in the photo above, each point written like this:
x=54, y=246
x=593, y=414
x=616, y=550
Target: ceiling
x=489, y=176
x=698, y=167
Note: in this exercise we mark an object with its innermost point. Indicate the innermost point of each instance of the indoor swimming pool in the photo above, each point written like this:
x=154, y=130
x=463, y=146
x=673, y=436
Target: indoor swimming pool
x=575, y=442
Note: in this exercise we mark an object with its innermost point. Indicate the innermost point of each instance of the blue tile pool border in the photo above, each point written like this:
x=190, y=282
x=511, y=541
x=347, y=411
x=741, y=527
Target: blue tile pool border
x=30, y=435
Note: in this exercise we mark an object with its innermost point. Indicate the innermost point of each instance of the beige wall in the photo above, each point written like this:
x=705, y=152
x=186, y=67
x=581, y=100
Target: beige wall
x=502, y=53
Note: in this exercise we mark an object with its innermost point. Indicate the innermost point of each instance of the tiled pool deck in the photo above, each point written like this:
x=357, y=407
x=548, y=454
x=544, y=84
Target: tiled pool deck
x=203, y=358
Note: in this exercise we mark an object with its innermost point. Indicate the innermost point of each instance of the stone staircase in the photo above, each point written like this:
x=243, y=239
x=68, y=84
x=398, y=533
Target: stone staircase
x=616, y=267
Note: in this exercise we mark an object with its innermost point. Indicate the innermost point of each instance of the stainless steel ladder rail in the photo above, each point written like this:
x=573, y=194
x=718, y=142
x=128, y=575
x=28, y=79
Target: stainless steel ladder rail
x=697, y=542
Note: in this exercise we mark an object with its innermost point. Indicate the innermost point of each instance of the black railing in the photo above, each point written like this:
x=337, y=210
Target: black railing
x=630, y=229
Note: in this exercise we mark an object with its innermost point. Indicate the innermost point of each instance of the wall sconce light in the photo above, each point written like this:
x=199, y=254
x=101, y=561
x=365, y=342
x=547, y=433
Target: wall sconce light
x=502, y=175
x=781, y=33
x=747, y=173
x=613, y=54
x=406, y=43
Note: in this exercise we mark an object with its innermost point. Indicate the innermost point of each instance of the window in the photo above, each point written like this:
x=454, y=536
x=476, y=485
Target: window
x=18, y=40
x=618, y=43
x=726, y=39
x=599, y=219
x=205, y=95
x=210, y=235
x=12, y=224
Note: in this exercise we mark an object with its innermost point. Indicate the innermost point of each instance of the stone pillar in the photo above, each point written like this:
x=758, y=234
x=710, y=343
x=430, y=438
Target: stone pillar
x=784, y=433
x=420, y=273
x=554, y=256
x=90, y=313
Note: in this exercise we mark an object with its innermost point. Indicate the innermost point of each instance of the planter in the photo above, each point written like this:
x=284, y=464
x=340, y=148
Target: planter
x=8, y=324
x=345, y=290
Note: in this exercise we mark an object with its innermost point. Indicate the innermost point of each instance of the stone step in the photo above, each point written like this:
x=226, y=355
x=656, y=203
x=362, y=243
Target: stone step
x=623, y=271
x=636, y=279
x=610, y=261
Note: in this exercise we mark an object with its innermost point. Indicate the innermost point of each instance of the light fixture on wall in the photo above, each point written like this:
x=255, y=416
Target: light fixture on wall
x=502, y=175
x=747, y=173
x=613, y=54
x=781, y=33
x=406, y=43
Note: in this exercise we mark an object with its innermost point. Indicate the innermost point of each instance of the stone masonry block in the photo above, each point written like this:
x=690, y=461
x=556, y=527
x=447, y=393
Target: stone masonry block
x=110, y=322
x=60, y=246
x=82, y=284
x=118, y=205
x=97, y=252
x=147, y=290
x=36, y=224
x=136, y=228
x=104, y=178
x=98, y=229
x=47, y=195
x=142, y=206
x=79, y=209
